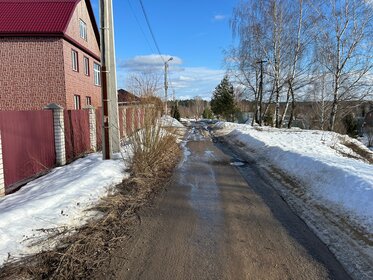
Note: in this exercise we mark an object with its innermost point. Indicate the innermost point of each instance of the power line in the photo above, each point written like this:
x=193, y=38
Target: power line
x=138, y=23
x=150, y=29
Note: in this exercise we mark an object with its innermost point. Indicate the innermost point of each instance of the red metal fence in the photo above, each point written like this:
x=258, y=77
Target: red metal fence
x=28, y=144
x=77, y=141
x=129, y=120
x=122, y=128
x=28, y=139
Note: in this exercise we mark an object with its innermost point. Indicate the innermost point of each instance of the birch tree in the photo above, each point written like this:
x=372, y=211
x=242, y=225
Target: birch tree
x=343, y=37
x=273, y=31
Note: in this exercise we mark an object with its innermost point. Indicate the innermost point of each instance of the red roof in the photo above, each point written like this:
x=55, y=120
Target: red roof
x=35, y=16
x=125, y=96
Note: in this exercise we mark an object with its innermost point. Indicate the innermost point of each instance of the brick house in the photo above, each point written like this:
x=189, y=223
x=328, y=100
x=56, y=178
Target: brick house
x=125, y=98
x=49, y=53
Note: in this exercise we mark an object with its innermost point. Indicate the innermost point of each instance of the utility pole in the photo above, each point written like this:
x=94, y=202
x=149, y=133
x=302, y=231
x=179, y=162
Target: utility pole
x=166, y=83
x=113, y=94
x=261, y=90
x=110, y=139
x=106, y=151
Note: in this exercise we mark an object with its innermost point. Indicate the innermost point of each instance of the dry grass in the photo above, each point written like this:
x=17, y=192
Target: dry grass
x=364, y=153
x=81, y=252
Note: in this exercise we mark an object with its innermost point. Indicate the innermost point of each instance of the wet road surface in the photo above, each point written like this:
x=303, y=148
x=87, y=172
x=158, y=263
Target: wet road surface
x=220, y=219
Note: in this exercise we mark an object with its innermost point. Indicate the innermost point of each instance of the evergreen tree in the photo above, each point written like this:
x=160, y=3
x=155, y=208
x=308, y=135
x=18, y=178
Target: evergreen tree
x=222, y=102
x=207, y=113
x=175, y=112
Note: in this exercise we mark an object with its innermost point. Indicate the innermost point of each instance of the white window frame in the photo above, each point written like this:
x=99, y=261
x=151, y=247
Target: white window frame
x=74, y=60
x=88, y=100
x=97, y=73
x=77, y=104
x=83, y=29
x=86, y=65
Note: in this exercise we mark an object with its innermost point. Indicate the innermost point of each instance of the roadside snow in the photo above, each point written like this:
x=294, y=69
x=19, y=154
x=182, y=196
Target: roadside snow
x=320, y=162
x=60, y=199
x=57, y=199
x=169, y=121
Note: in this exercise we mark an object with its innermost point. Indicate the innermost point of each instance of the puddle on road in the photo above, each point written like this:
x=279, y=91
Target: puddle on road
x=237, y=163
x=197, y=173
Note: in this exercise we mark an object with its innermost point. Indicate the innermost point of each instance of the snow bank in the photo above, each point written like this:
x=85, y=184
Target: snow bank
x=59, y=198
x=320, y=162
x=169, y=121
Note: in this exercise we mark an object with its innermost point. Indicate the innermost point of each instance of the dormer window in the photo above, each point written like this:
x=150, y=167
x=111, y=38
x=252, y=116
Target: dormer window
x=83, y=29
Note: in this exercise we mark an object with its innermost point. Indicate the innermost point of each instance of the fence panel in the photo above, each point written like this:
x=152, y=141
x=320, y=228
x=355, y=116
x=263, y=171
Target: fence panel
x=121, y=123
x=77, y=141
x=142, y=117
x=28, y=145
x=137, y=118
x=129, y=121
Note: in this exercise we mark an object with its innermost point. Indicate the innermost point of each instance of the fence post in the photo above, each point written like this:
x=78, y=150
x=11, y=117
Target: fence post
x=2, y=181
x=59, y=132
x=92, y=126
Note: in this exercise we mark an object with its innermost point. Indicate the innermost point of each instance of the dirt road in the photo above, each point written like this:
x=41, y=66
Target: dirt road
x=220, y=220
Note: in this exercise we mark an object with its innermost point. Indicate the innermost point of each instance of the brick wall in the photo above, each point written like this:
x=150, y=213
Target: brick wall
x=77, y=83
x=72, y=30
x=36, y=71
x=32, y=73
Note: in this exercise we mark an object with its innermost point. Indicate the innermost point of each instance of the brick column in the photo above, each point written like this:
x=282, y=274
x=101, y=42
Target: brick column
x=2, y=181
x=92, y=126
x=59, y=132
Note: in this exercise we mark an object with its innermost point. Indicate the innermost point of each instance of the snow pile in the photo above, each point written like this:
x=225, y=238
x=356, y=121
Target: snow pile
x=169, y=121
x=59, y=198
x=332, y=174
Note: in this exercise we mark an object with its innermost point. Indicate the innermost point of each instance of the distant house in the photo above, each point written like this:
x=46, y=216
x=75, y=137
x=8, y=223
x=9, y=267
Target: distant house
x=49, y=52
x=126, y=98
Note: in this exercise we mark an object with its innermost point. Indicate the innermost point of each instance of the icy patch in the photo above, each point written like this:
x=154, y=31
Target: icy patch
x=237, y=163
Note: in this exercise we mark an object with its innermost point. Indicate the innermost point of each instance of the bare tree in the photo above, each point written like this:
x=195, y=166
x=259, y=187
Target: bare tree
x=199, y=106
x=144, y=84
x=273, y=31
x=343, y=37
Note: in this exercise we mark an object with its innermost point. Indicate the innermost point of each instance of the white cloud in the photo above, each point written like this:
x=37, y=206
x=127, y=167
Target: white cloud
x=219, y=17
x=148, y=62
x=193, y=81
x=186, y=81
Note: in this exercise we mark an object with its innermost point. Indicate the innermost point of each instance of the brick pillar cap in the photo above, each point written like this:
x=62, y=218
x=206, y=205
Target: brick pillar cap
x=89, y=107
x=53, y=106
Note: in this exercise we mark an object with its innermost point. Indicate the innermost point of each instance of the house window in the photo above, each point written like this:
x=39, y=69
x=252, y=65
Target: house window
x=77, y=102
x=83, y=29
x=88, y=101
x=97, y=72
x=74, y=59
x=86, y=65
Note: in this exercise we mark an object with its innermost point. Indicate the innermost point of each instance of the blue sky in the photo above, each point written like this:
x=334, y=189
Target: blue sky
x=194, y=32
